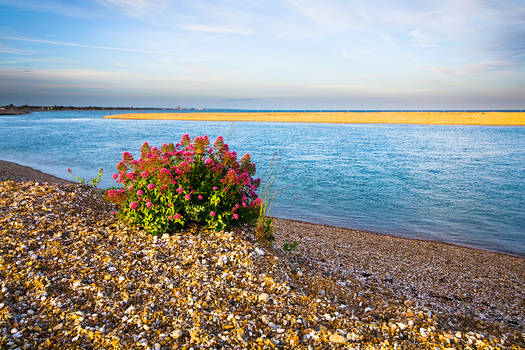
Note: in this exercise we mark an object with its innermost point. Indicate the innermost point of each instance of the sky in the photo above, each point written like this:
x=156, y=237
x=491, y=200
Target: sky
x=271, y=54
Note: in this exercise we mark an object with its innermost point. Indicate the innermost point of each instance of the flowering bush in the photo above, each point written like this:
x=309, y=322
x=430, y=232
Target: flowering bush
x=190, y=182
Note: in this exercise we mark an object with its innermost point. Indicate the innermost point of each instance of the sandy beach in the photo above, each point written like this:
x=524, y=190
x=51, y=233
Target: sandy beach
x=70, y=273
x=445, y=118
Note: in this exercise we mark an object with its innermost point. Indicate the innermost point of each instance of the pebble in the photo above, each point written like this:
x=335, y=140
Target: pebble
x=130, y=309
x=263, y=297
x=259, y=251
x=176, y=334
x=336, y=338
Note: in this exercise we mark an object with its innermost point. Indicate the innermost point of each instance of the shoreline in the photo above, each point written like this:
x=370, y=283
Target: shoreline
x=22, y=172
x=399, y=236
x=419, y=118
x=19, y=172
x=373, y=277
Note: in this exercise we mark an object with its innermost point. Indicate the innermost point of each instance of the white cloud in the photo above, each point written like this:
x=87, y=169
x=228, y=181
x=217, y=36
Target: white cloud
x=138, y=8
x=474, y=68
x=72, y=44
x=13, y=50
x=331, y=15
x=217, y=29
x=422, y=39
x=54, y=7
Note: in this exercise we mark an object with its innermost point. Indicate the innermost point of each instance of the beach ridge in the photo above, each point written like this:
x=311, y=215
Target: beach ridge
x=431, y=118
x=369, y=273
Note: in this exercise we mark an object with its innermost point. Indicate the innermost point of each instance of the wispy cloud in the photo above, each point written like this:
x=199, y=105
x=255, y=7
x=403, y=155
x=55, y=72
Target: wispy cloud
x=475, y=68
x=217, y=29
x=72, y=44
x=137, y=8
x=40, y=60
x=422, y=39
x=13, y=50
x=54, y=7
x=331, y=15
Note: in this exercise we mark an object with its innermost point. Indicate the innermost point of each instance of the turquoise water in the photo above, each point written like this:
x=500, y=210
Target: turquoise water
x=458, y=184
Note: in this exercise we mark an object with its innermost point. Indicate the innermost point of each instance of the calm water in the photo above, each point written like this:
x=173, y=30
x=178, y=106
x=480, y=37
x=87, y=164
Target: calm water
x=458, y=184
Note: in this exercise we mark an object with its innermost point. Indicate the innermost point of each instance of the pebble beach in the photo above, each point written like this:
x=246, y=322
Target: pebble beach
x=72, y=276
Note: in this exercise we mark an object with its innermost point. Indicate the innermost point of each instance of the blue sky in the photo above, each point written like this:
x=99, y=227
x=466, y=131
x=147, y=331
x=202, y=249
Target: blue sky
x=304, y=54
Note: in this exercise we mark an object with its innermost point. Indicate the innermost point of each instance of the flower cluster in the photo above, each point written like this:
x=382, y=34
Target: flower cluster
x=189, y=182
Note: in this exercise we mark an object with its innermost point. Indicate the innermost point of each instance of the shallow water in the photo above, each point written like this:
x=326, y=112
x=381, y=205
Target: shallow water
x=458, y=184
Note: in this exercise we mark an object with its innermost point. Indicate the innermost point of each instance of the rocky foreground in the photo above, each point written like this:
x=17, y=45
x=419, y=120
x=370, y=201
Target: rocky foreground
x=72, y=276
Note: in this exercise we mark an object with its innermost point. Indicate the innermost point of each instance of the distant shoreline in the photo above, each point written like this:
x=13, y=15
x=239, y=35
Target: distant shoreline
x=434, y=118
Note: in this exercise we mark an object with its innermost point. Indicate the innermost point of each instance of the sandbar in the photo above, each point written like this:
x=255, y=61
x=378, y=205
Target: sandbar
x=439, y=118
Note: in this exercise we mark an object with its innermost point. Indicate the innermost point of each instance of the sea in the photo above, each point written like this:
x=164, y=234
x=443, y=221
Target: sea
x=458, y=184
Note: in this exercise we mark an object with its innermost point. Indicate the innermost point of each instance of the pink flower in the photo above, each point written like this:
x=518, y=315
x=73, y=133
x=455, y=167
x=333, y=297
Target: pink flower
x=115, y=175
x=140, y=193
x=149, y=205
x=113, y=212
x=214, y=188
x=144, y=174
x=236, y=205
x=130, y=176
x=177, y=216
x=209, y=162
x=133, y=205
x=187, y=197
x=257, y=202
x=180, y=190
x=170, y=205
x=151, y=187
x=69, y=170
x=212, y=213
x=244, y=204
x=236, y=216
x=200, y=197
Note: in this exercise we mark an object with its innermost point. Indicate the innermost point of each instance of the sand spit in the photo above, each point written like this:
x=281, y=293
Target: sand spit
x=72, y=276
x=452, y=118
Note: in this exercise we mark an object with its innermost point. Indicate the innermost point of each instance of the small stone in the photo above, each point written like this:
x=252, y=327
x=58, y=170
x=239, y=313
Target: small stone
x=273, y=325
x=401, y=325
x=14, y=330
x=264, y=319
x=130, y=309
x=176, y=334
x=263, y=297
x=280, y=330
x=458, y=335
x=165, y=237
x=259, y=251
x=368, y=309
x=156, y=346
x=336, y=338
